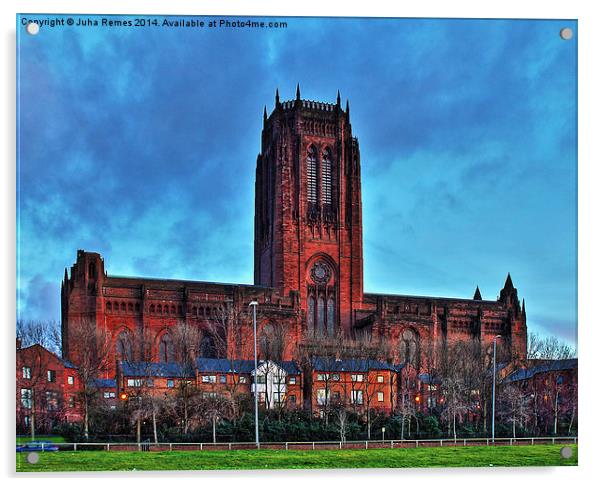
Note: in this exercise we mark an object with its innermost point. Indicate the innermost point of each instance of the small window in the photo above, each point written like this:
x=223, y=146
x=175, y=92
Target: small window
x=261, y=379
x=380, y=379
x=321, y=377
x=243, y=379
x=292, y=380
x=134, y=382
x=357, y=397
x=26, y=397
x=70, y=380
x=335, y=377
x=292, y=399
x=208, y=379
x=106, y=394
x=380, y=396
x=51, y=376
x=71, y=401
x=357, y=378
x=222, y=378
x=26, y=372
x=170, y=383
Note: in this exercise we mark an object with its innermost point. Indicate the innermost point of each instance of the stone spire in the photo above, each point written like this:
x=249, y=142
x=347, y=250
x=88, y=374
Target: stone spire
x=338, y=98
x=265, y=114
x=477, y=294
x=298, y=95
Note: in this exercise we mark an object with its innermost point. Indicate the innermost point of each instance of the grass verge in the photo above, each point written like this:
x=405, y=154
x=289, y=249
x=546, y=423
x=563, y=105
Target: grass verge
x=538, y=455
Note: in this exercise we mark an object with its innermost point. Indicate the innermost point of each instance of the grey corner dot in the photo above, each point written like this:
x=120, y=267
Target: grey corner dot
x=32, y=28
x=566, y=452
x=33, y=458
x=566, y=33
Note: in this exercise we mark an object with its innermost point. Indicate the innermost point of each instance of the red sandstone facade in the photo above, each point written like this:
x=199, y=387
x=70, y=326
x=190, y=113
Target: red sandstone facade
x=308, y=264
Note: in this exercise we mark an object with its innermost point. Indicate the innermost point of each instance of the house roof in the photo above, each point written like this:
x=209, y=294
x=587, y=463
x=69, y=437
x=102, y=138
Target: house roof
x=429, y=379
x=168, y=370
x=551, y=365
x=217, y=365
x=104, y=383
x=360, y=365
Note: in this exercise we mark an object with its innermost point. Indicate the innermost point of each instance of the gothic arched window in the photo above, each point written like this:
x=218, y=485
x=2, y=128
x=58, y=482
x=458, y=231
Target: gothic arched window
x=321, y=315
x=312, y=175
x=166, y=349
x=408, y=347
x=311, y=314
x=330, y=317
x=326, y=177
x=123, y=347
x=208, y=347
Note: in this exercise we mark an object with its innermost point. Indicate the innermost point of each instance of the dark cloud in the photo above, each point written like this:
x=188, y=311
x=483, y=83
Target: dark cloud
x=142, y=144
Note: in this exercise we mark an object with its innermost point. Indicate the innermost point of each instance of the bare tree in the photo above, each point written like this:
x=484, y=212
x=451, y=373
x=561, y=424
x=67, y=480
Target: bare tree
x=548, y=348
x=187, y=342
x=342, y=420
x=515, y=406
x=44, y=333
x=92, y=350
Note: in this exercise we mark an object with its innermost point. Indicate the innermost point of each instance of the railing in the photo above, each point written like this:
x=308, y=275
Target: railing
x=149, y=446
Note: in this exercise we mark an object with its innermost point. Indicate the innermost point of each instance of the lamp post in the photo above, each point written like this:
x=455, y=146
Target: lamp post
x=493, y=391
x=383, y=431
x=254, y=304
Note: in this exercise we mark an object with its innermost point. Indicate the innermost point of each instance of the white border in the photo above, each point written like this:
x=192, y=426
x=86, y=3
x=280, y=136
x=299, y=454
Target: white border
x=590, y=244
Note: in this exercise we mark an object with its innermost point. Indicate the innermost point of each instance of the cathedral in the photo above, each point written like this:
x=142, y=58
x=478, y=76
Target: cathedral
x=308, y=264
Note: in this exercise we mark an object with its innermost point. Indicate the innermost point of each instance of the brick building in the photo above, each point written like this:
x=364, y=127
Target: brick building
x=47, y=389
x=308, y=267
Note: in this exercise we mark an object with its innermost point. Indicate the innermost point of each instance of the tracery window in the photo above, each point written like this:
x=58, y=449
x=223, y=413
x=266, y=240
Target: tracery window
x=330, y=317
x=320, y=315
x=166, y=349
x=312, y=175
x=408, y=347
x=326, y=177
x=124, y=347
x=311, y=312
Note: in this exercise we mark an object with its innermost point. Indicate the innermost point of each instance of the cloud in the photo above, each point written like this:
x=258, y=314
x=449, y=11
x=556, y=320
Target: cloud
x=142, y=145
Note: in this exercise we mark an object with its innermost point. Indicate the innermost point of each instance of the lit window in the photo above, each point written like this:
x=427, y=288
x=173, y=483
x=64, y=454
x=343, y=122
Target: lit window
x=26, y=372
x=26, y=397
x=52, y=401
x=71, y=401
x=70, y=380
x=357, y=397
x=335, y=377
x=208, y=379
x=292, y=380
x=357, y=378
x=222, y=378
x=51, y=376
x=380, y=379
x=243, y=379
x=380, y=396
x=322, y=396
x=134, y=382
x=170, y=384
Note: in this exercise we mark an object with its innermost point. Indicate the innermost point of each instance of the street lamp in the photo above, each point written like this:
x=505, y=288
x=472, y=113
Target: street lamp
x=493, y=391
x=254, y=304
x=383, y=431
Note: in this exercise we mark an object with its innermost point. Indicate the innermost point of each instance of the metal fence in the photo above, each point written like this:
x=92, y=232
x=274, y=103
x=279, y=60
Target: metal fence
x=148, y=446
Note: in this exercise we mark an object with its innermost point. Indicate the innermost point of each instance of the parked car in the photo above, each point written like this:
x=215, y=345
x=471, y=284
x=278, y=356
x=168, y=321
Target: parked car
x=37, y=446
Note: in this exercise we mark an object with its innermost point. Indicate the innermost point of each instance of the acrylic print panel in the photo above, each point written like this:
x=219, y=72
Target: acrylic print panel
x=295, y=242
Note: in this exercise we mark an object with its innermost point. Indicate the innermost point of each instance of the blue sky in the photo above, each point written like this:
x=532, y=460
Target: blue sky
x=141, y=144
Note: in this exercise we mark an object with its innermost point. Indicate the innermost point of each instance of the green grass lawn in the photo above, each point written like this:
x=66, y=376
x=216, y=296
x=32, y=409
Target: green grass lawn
x=539, y=455
x=45, y=438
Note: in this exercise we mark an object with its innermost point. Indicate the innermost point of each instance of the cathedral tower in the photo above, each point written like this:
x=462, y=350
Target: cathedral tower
x=308, y=210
